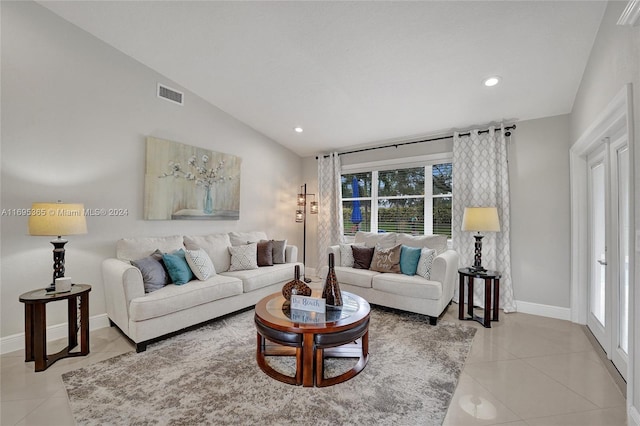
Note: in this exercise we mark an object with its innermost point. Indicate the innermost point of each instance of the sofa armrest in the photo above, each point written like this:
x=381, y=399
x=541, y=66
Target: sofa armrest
x=291, y=254
x=444, y=270
x=336, y=254
x=122, y=283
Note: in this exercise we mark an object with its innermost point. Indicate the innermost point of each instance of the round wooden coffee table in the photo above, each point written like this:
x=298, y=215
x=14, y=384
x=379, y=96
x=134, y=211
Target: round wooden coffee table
x=311, y=337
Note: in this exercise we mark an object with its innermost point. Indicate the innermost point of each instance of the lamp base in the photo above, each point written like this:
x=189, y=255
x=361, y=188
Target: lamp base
x=58, y=262
x=477, y=258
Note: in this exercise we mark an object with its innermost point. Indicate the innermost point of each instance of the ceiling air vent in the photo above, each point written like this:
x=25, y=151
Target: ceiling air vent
x=170, y=94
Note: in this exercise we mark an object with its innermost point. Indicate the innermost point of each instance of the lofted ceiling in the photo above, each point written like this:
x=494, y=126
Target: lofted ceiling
x=359, y=72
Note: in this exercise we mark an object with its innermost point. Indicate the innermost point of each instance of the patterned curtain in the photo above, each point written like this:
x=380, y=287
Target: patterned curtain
x=330, y=228
x=481, y=179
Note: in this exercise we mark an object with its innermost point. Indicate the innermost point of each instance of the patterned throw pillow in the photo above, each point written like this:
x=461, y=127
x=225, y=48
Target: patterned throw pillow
x=426, y=261
x=386, y=259
x=244, y=257
x=201, y=264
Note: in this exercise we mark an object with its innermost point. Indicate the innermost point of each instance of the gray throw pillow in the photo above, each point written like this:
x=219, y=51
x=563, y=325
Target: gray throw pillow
x=279, y=247
x=154, y=275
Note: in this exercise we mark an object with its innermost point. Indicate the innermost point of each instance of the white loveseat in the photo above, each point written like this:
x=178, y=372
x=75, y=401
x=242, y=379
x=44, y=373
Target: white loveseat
x=412, y=293
x=145, y=317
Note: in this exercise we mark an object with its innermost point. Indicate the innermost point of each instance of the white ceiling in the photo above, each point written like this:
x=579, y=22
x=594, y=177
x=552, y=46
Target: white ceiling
x=356, y=73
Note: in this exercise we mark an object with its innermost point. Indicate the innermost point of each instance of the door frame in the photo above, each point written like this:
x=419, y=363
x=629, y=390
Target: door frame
x=616, y=117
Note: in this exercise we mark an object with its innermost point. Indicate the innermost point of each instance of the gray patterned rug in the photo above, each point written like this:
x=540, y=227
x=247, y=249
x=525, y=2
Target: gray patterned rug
x=210, y=376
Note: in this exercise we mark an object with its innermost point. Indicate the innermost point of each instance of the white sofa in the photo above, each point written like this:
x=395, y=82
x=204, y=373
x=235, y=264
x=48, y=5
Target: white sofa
x=145, y=317
x=411, y=293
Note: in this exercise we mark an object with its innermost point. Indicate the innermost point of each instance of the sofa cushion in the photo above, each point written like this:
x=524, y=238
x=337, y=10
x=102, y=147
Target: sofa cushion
x=216, y=246
x=372, y=239
x=426, y=262
x=154, y=274
x=200, y=264
x=242, y=238
x=172, y=298
x=265, y=253
x=177, y=266
x=410, y=286
x=409, y=257
x=436, y=242
x=356, y=277
x=137, y=248
x=361, y=257
x=253, y=279
x=386, y=259
x=244, y=257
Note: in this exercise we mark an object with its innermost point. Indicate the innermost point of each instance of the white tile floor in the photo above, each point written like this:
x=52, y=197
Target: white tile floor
x=525, y=370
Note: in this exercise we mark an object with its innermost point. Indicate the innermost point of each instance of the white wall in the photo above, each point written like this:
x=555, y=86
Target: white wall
x=540, y=212
x=614, y=62
x=75, y=114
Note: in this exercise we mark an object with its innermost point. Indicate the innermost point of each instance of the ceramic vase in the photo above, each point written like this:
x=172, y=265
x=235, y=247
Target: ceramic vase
x=296, y=286
x=331, y=292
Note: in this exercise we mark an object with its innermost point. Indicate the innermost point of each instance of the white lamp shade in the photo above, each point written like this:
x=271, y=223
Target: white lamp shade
x=57, y=219
x=481, y=219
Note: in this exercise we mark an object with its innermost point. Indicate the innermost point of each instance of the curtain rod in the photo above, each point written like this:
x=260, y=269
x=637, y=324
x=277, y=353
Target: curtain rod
x=395, y=145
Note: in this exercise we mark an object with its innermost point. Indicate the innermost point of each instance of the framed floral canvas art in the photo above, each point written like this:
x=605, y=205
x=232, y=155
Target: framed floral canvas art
x=192, y=183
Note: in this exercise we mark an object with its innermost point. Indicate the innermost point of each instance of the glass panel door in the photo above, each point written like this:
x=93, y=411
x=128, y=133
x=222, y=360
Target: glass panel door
x=609, y=252
x=620, y=215
x=597, y=319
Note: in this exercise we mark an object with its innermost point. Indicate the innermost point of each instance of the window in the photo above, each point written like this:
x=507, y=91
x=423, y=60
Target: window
x=413, y=200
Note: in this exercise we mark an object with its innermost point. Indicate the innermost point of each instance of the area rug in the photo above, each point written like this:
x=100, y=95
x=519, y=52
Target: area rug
x=209, y=376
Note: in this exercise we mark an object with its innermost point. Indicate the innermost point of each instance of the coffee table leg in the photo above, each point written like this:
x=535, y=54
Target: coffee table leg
x=308, y=356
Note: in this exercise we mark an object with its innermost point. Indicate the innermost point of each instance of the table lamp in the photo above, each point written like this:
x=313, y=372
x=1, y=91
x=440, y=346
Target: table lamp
x=57, y=219
x=480, y=219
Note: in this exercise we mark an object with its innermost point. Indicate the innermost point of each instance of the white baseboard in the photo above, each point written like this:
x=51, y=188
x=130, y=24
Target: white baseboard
x=550, y=311
x=15, y=342
x=633, y=416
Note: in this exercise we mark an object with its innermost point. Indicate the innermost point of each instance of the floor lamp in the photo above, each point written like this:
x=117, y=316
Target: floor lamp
x=301, y=217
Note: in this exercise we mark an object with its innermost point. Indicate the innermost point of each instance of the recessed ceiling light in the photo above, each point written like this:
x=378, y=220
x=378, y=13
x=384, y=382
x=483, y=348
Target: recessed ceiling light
x=491, y=81
x=298, y=129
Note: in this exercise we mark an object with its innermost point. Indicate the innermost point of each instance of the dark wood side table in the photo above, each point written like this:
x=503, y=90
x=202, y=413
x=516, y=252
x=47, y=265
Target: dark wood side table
x=491, y=285
x=35, y=324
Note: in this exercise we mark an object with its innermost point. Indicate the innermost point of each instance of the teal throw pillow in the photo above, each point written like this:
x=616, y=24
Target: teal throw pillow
x=409, y=257
x=178, y=267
